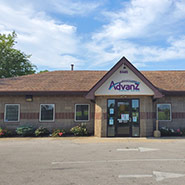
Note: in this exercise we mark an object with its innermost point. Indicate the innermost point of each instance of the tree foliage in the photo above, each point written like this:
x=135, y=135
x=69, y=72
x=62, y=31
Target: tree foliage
x=43, y=71
x=13, y=62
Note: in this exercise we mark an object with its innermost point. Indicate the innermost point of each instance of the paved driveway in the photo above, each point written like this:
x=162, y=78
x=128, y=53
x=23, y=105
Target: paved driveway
x=92, y=161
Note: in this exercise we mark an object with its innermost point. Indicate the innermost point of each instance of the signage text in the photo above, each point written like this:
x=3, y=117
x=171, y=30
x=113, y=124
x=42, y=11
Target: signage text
x=125, y=85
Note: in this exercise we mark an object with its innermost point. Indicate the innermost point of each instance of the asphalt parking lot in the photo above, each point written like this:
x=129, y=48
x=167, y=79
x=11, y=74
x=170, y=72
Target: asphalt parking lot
x=92, y=161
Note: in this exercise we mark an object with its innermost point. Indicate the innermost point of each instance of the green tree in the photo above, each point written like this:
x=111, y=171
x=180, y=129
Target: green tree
x=13, y=62
x=43, y=71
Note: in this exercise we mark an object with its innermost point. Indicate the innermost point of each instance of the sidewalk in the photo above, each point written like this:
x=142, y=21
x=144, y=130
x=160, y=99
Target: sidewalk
x=93, y=139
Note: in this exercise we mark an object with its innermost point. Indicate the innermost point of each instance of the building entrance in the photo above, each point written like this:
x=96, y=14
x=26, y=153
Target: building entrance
x=123, y=117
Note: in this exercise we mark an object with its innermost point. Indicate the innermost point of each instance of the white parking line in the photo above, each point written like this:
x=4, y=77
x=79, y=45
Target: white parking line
x=115, y=161
x=159, y=176
x=127, y=149
x=140, y=149
x=134, y=176
x=166, y=175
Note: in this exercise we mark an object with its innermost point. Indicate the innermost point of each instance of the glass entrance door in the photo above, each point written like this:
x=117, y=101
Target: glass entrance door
x=123, y=117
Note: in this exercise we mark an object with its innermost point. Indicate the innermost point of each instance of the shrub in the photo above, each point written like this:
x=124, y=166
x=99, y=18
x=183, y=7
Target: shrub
x=5, y=133
x=178, y=132
x=79, y=130
x=25, y=131
x=41, y=131
x=164, y=131
x=58, y=133
x=171, y=132
x=183, y=132
x=1, y=132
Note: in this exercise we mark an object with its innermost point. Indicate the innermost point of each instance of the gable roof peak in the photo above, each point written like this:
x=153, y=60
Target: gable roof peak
x=123, y=60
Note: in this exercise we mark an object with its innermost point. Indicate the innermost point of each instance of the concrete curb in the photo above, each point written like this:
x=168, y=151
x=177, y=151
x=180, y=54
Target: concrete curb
x=92, y=139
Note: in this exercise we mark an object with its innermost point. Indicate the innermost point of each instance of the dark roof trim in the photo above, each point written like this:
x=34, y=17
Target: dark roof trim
x=173, y=93
x=70, y=93
x=123, y=60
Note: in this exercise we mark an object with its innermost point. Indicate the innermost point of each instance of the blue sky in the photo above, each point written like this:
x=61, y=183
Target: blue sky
x=95, y=34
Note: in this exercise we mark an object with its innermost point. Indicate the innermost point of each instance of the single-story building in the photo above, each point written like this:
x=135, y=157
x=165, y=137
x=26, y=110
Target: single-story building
x=120, y=102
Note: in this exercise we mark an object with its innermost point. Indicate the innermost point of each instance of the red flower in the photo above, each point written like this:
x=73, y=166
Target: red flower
x=1, y=133
x=178, y=130
x=60, y=134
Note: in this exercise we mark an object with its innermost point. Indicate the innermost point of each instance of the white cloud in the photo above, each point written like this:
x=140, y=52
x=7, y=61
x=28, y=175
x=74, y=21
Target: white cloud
x=134, y=30
x=134, y=19
x=139, y=55
x=51, y=44
x=67, y=7
x=176, y=50
x=74, y=7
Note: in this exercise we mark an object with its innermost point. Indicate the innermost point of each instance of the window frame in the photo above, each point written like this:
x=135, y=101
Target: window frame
x=88, y=113
x=170, y=111
x=18, y=113
x=41, y=112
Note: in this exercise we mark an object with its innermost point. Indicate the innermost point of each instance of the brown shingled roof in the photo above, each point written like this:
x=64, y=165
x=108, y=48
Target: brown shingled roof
x=167, y=80
x=53, y=81
x=83, y=81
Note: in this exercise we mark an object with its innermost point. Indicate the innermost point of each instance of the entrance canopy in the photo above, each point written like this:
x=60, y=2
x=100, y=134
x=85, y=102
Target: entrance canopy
x=123, y=79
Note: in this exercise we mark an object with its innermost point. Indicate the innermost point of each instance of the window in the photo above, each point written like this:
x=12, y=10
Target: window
x=164, y=112
x=12, y=113
x=111, y=112
x=135, y=118
x=111, y=118
x=81, y=112
x=47, y=112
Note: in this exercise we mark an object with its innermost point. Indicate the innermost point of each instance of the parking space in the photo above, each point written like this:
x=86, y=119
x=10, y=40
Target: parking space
x=89, y=161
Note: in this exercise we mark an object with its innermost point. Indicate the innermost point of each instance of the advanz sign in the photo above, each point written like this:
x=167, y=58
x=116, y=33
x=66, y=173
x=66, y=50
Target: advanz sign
x=123, y=82
x=125, y=85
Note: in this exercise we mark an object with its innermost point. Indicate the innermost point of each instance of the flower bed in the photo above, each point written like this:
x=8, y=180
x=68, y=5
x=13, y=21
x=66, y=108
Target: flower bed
x=165, y=131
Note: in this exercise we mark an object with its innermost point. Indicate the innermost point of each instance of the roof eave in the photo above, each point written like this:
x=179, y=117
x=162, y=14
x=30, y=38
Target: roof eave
x=81, y=93
x=173, y=93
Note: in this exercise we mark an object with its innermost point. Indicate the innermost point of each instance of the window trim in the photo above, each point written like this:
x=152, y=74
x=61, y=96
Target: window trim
x=18, y=114
x=53, y=113
x=88, y=113
x=170, y=111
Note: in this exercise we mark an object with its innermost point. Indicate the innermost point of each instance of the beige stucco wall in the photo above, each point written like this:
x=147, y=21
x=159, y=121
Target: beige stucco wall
x=100, y=122
x=63, y=105
x=147, y=120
